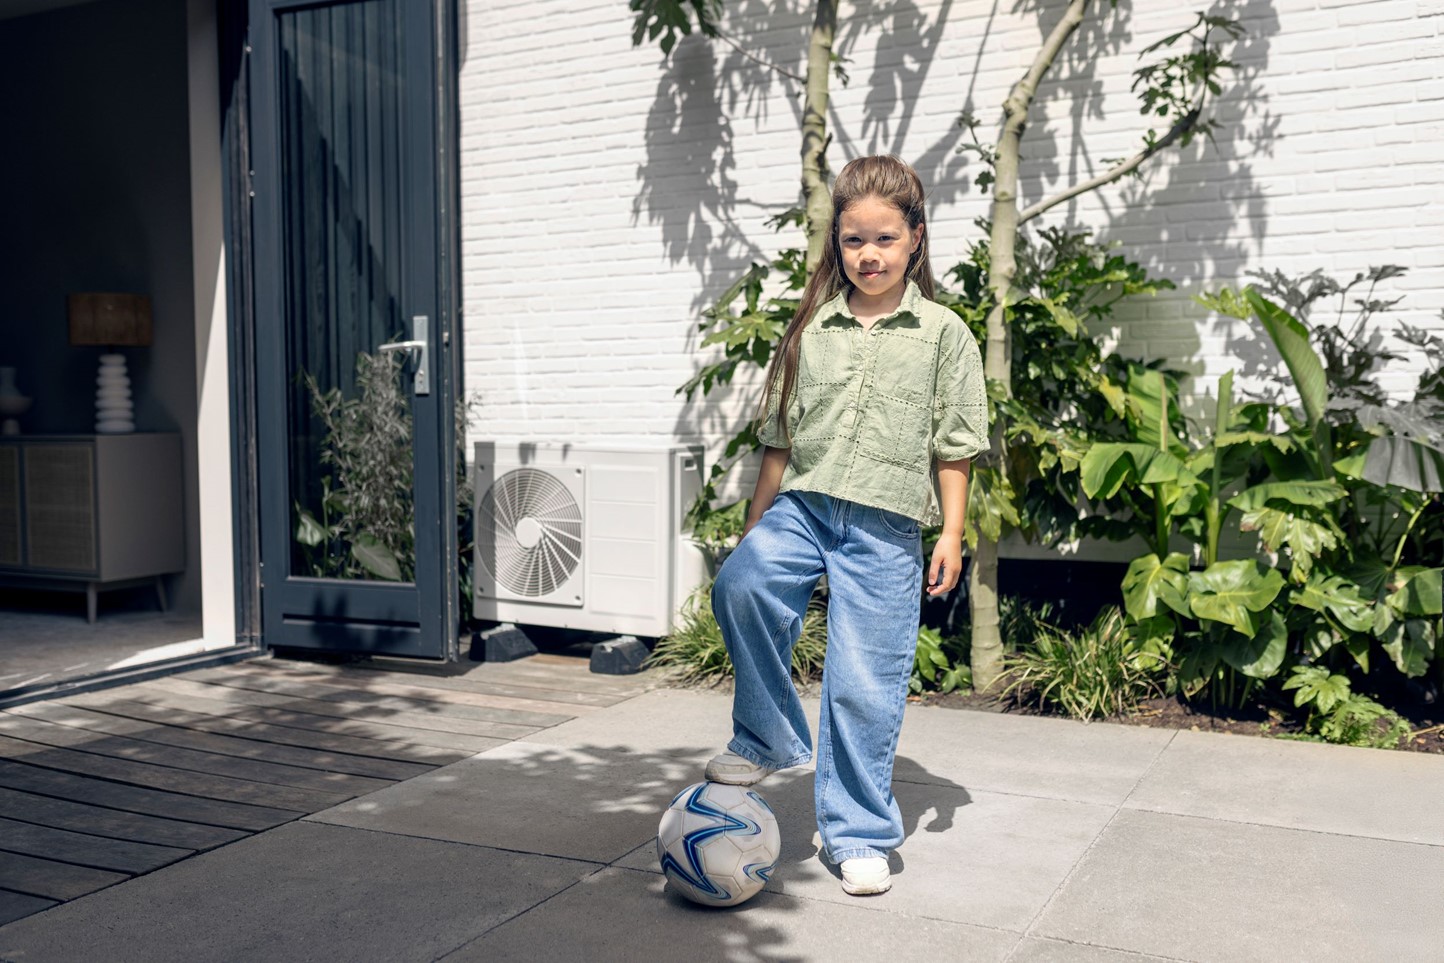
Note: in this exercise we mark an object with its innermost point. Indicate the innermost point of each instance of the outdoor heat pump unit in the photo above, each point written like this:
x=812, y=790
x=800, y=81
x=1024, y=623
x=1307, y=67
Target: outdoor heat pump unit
x=586, y=537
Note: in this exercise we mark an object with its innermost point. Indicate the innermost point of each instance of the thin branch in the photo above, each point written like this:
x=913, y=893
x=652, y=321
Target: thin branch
x=1180, y=127
x=758, y=60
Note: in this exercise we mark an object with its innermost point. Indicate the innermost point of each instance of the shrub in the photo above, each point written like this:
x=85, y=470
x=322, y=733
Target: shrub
x=1098, y=671
x=697, y=651
x=1338, y=714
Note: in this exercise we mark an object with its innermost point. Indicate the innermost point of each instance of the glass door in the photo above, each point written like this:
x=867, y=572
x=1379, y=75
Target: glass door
x=354, y=383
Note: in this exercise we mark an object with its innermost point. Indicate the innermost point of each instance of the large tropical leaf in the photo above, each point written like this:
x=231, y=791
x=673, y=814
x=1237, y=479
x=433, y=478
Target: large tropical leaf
x=1150, y=581
x=1306, y=539
x=1148, y=403
x=1392, y=460
x=1410, y=643
x=1417, y=591
x=1107, y=466
x=1258, y=656
x=1291, y=337
x=1337, y=596
x=1302, y=493
x=375, y=557
x=1231, y=592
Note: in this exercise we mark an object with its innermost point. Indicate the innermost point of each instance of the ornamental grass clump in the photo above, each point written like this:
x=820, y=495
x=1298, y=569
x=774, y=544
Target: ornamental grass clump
x=1096, y=672
x=696, y=651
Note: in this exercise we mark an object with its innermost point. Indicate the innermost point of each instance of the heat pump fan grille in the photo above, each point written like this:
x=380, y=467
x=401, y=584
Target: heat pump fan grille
x=529, y=532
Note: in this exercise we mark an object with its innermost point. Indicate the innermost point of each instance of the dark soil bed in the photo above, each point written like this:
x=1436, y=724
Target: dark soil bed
x=1170, y=712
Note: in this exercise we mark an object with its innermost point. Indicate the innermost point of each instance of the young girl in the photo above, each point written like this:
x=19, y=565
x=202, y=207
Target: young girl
x=883, y=396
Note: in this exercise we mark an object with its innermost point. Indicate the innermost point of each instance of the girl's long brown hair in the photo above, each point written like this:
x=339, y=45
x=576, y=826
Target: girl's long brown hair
x=886, y=178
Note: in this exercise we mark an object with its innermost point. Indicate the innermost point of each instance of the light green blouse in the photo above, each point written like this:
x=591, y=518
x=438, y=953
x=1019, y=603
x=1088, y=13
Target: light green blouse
x=872, y=407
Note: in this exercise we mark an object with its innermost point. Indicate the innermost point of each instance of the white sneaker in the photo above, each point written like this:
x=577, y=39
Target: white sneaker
x=865, y=875
x=732, y=769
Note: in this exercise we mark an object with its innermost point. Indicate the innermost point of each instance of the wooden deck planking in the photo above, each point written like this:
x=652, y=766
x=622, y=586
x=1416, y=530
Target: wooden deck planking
x=112, y=823
x=288, y=728
x=50, y=879
x=97, y=852
x=297, y=801
x=365, y=686
x=343, y=710
x=100, y=786
x=138, y=799
x=459, y=708
x=169, y=734
x=63, y=736
x=475, y=681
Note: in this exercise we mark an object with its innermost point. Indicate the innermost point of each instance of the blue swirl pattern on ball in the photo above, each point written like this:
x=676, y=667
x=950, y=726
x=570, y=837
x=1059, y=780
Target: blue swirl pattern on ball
x=718, y=844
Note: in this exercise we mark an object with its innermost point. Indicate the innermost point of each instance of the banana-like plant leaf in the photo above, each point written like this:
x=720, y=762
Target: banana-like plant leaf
x=1260, y=655
x=1337, y=596
x=1148, y=407
x=375, y=557
x=1410, y=643
x=1108, y=465
x=1291, y=337
x=1303, y=493
x=1405, y=462
x=1230, y=592
x=1150, y=581
x=1417, y=591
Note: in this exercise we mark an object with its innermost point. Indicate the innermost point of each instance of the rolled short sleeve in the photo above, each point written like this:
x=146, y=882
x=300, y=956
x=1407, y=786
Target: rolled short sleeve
x=768, y=432
x=960, y=407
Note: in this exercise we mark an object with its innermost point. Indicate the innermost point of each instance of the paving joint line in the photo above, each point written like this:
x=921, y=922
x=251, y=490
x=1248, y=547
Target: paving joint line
x=1092, y=844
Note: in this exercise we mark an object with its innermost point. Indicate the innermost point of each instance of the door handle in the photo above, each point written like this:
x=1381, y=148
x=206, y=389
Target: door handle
x=417, y=349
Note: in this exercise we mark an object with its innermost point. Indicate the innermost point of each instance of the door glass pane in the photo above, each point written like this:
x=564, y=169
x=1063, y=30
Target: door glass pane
x=348, y=407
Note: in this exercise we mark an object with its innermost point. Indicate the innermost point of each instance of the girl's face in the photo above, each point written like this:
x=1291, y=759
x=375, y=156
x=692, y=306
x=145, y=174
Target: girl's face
x=876, y=243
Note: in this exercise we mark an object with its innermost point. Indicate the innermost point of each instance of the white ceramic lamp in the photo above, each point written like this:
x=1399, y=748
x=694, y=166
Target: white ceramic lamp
x=112, y=320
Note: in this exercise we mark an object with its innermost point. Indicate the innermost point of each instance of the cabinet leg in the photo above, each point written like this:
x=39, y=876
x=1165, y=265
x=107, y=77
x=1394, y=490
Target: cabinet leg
x=90, y=601
x=160, y=592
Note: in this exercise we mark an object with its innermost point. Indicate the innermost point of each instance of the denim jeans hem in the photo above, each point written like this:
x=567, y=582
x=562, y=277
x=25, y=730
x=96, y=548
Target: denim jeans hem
x=737, y=748
x=858, y=853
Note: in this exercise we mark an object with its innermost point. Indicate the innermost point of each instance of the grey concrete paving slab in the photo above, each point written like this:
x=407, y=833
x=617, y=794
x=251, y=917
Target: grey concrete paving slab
x=1210, y=890
x=1032, y=950
x=1301, y=785
x=684, y=722
x=1058, y=758
x=625, y=916
x=989, y=859
x=300, y=892
x=581, y=803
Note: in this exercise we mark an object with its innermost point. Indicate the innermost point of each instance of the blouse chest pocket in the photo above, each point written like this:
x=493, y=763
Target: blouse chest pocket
x=826, y=357
x=897, y=421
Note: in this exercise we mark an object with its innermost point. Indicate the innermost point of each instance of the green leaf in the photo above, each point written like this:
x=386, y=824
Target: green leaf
x=1107, y=466
x=1291, y=338
x=1338, y=596
x=1306, y=539
x=1417, y=591
x=1318, y=685
x=1410, y=643
x=1259, y=656
x=1303, y=493
x=1148, y=407
x=375, y=557
x=1151, y=580
x=308, y=531
x=1229, y=592
x=1405, y=462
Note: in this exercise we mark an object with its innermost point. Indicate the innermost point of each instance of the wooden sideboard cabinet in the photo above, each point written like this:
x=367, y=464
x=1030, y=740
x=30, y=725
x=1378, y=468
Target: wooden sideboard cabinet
x=91, y=512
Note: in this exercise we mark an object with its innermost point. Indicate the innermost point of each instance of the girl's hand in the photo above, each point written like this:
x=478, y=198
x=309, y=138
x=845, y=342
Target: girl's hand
x=947, y=564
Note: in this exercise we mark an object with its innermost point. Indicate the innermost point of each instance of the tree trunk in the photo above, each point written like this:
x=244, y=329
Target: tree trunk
x=987, y=644
x=816, y=191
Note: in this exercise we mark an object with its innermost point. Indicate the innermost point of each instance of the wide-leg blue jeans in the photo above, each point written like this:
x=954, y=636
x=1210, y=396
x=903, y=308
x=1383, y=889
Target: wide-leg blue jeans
x=874, y=566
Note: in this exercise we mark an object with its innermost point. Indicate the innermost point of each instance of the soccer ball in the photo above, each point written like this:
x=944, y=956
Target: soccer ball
x=718, y=843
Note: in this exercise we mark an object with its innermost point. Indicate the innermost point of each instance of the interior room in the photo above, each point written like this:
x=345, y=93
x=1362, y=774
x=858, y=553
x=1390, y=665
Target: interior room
x=99, y=518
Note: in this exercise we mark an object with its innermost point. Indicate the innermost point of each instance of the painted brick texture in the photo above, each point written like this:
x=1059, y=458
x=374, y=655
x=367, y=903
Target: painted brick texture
x=608, y=195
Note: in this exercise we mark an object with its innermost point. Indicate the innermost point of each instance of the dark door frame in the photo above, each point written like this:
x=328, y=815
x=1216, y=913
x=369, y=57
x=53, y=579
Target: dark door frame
x=250, y=515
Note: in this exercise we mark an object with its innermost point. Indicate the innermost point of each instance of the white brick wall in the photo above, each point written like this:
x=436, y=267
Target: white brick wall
x=607, y=195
